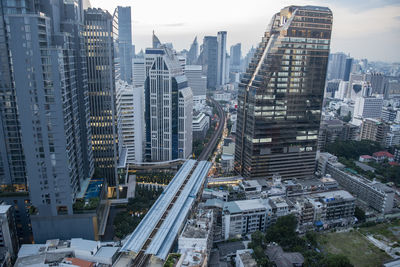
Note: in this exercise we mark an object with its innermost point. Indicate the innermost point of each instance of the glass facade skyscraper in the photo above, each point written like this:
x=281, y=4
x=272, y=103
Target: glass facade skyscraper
x=101, y=39
x=281, y=94
x=125, y=43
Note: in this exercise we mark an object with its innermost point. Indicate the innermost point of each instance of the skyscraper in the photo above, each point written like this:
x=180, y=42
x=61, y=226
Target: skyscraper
x=130, y=113
x=337, y=66
x=193, y=53
x=221, y=61
x=280, y=96
x=168, y=107
x=125, y=43
x=44, y=140
x=197, y=82
x=235, y=57
x=101, y=33
x=208, y=59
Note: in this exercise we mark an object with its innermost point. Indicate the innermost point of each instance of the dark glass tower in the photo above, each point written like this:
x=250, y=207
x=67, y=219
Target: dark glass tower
x=208, y=59
x=281, y=93
x=101, y=39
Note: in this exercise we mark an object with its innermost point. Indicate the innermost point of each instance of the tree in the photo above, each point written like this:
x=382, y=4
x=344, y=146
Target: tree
x=359, y=214
x=336, y=260
x=347, y=118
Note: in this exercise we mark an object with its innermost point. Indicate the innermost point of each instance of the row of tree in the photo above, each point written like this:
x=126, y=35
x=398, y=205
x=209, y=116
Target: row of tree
x=283, y=232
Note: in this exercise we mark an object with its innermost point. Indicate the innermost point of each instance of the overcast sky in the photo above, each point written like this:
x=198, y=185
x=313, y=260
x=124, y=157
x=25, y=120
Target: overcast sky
x=364, y=28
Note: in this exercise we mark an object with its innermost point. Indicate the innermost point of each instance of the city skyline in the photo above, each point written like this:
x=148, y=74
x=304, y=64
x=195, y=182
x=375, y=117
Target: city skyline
x=354, y=22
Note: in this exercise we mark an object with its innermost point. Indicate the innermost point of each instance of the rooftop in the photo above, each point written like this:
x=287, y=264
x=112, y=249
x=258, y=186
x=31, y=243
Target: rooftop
x=383, y=154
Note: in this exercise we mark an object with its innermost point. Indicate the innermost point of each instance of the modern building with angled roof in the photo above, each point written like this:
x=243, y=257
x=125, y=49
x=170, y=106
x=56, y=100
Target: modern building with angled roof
x=168, y=107
x=280, y=96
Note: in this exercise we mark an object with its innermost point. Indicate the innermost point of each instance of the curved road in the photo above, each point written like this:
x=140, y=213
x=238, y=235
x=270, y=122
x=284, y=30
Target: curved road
x=209, y=149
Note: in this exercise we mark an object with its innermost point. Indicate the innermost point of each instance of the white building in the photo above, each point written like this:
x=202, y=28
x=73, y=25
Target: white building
x=130, y=121
x=200, y=125
x=198, y=82
x=393, y=136
x=168, y=107
x=221, y=61
x=139, y=71
x=341, y=93
x=367, y=107
x=228, y=157
x=245, y=217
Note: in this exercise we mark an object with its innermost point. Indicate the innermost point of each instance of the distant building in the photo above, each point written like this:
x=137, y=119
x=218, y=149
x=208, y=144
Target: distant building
x=209, y=60
x=192, y=55
x=125, y=43
x=197, y=82
x=333, y=130
x=337, y=66
x=139, y=71
x=228, y=157
x=374, y=130
x=393, y=136
x=200, y=125
x=168, y=107
x=367, y=107
x=221, y=61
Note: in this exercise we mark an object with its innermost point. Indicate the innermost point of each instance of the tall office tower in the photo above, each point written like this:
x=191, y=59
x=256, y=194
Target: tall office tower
x=208, y=59
x=101, y=33
x=379, y=82
x=221, y=61
x=235, y=57
x=125, y=43
x=192, y=55
x=130, y=113
x=348, y=68
x=44, y=138
x=168, y=107
x=280, y=96
x=197, y=82
x=367, y=107
x=139, y=71
x=337, y=66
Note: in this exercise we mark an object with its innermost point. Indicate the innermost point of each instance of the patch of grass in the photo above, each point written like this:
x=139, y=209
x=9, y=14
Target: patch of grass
x=353, y=245
x=390, y=231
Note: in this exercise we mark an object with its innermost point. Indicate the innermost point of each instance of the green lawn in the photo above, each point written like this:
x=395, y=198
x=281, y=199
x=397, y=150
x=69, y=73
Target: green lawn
x=355, y=246
x=389, y=232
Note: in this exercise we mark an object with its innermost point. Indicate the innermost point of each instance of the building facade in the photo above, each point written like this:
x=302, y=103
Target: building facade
x=168, y=107
x=125, y=43
x=221, y=61
x=198, y=82
x=101, y=33
x=130, y=122
x=280, y=97
x=208, y=59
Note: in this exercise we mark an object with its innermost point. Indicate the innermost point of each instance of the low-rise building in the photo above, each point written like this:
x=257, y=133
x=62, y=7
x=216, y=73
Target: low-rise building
x=59, y=252
x=375, y=194
x=8, y=231
x=381, y=156
x=244, y=258
x=228, y=155
x=276, y=254
x=200, y=125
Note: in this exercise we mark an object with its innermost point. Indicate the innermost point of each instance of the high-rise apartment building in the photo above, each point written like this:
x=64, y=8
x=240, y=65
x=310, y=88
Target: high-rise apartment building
x=208, y=59
x=101, y=33
x=280, y=96
x=168, y=107
x=130, y=113
x=221, y=61
x=125, y=43
x=192, y=55
x=235, y=57
x=44, y=138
